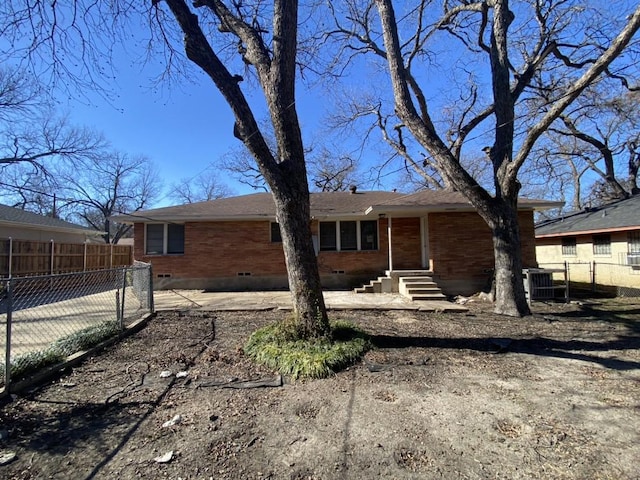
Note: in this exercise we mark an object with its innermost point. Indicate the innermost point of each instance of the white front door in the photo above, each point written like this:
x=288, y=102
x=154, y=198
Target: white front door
x=424, y=236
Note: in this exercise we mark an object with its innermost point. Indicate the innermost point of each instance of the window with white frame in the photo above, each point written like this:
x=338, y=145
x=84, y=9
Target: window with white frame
x=602, y=244
x=164, y=239
x=569, y=246
x=633, y=245
x=349, y=235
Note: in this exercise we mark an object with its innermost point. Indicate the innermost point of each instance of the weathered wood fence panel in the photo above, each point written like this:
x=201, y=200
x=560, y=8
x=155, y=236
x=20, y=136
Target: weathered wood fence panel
x=20, y=258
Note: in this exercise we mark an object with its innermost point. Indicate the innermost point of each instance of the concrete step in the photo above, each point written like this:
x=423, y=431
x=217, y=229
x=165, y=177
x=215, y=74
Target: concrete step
x=381, y=285
x=416, y=279
x=364, y=289
x=420, y=287
x=422, y=284
x=408, y=273
x=423, y=290
x=427, y=296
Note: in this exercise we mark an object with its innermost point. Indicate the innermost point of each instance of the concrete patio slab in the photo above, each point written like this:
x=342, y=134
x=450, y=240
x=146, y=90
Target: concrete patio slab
x=268, y=300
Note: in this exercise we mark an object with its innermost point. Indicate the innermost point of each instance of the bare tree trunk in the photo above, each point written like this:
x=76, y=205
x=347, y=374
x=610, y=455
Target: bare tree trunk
x=302, y=266
x=500, y=212
x=284, y=171
x=510, y=294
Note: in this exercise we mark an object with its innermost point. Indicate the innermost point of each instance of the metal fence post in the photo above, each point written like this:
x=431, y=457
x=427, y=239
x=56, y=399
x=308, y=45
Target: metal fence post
x=150, y=293
x=118, y=311
x=52, y=259
x=7, y=353
x=124, y=289
x=10, y=256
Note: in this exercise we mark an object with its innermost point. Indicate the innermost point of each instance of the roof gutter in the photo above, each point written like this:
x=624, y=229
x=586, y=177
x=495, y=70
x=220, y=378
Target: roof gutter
x=587, y=232
x=131, y=219
x=452, y=207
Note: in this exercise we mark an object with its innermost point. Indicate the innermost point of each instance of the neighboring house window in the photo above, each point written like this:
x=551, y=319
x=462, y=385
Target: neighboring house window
x=602, y=244
x=349, y=235
x=276, y=237
x=634, y=243
x=164, y=239
x=569, y=246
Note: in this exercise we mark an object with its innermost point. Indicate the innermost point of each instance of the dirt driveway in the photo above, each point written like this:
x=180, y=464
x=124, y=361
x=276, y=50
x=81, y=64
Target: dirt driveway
x=556, y=395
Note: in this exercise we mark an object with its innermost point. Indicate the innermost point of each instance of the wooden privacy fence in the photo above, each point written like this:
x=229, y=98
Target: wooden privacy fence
x=19, y=258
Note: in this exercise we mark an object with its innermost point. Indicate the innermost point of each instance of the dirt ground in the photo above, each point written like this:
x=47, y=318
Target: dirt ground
x=469, y=396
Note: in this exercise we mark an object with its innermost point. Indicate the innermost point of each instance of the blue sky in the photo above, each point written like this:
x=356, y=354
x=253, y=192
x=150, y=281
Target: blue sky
x=185, y=127
x=181, y=128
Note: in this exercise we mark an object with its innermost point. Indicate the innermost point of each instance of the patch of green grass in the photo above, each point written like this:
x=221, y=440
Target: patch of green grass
x=277, y=347
x=85, y=338
x=28, y=363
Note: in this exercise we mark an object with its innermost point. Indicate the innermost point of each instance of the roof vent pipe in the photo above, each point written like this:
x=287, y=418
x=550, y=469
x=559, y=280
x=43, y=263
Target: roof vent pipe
x=353, y=188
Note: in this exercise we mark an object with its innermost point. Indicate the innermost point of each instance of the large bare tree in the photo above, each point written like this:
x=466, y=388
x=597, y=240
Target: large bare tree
x=87, y=190
x=201, y=188
x=496, y=56
x=226, y=41
x=599, y=136
x=101, y=186
x=31, y=132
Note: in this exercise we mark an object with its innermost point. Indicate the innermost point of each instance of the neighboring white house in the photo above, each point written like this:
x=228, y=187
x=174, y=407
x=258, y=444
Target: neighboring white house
x=22, y=225
x=600, y=245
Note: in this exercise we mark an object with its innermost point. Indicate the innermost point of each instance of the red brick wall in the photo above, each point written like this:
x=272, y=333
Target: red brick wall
x=460, y=244
x=219, y=249
x=460, y=249
x=406, y=244
x=527, y=239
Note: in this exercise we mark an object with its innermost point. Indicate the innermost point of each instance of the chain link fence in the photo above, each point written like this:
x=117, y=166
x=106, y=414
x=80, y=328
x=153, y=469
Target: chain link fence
x=44, y=319
x=600, y=278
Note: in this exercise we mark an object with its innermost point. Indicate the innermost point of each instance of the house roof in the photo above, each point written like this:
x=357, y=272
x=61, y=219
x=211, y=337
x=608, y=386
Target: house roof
x=16, y=217
x=447, y=200
x=323, y=205
x=619, y=216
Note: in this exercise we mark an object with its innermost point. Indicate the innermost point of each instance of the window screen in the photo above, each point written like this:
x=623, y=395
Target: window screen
x=569, y=246
x=348, y=235
x=634, y=242
x=328, y=236
x=602, y=244
x=155, y=239
x=175, y=238
x=369, y=235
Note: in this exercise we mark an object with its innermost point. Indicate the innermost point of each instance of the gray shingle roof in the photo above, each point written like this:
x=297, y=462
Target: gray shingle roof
x=621, y=215
x=323, y=204
x=449, y=199
x=260, y=205
x=16, y=216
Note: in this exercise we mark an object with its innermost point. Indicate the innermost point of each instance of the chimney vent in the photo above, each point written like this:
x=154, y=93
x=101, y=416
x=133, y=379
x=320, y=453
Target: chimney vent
x=353, y=188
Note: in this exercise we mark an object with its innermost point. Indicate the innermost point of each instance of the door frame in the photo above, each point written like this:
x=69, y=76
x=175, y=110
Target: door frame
x=424, y=241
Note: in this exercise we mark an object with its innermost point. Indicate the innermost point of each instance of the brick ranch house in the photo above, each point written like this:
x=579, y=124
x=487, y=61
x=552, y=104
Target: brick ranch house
x=234, y=243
